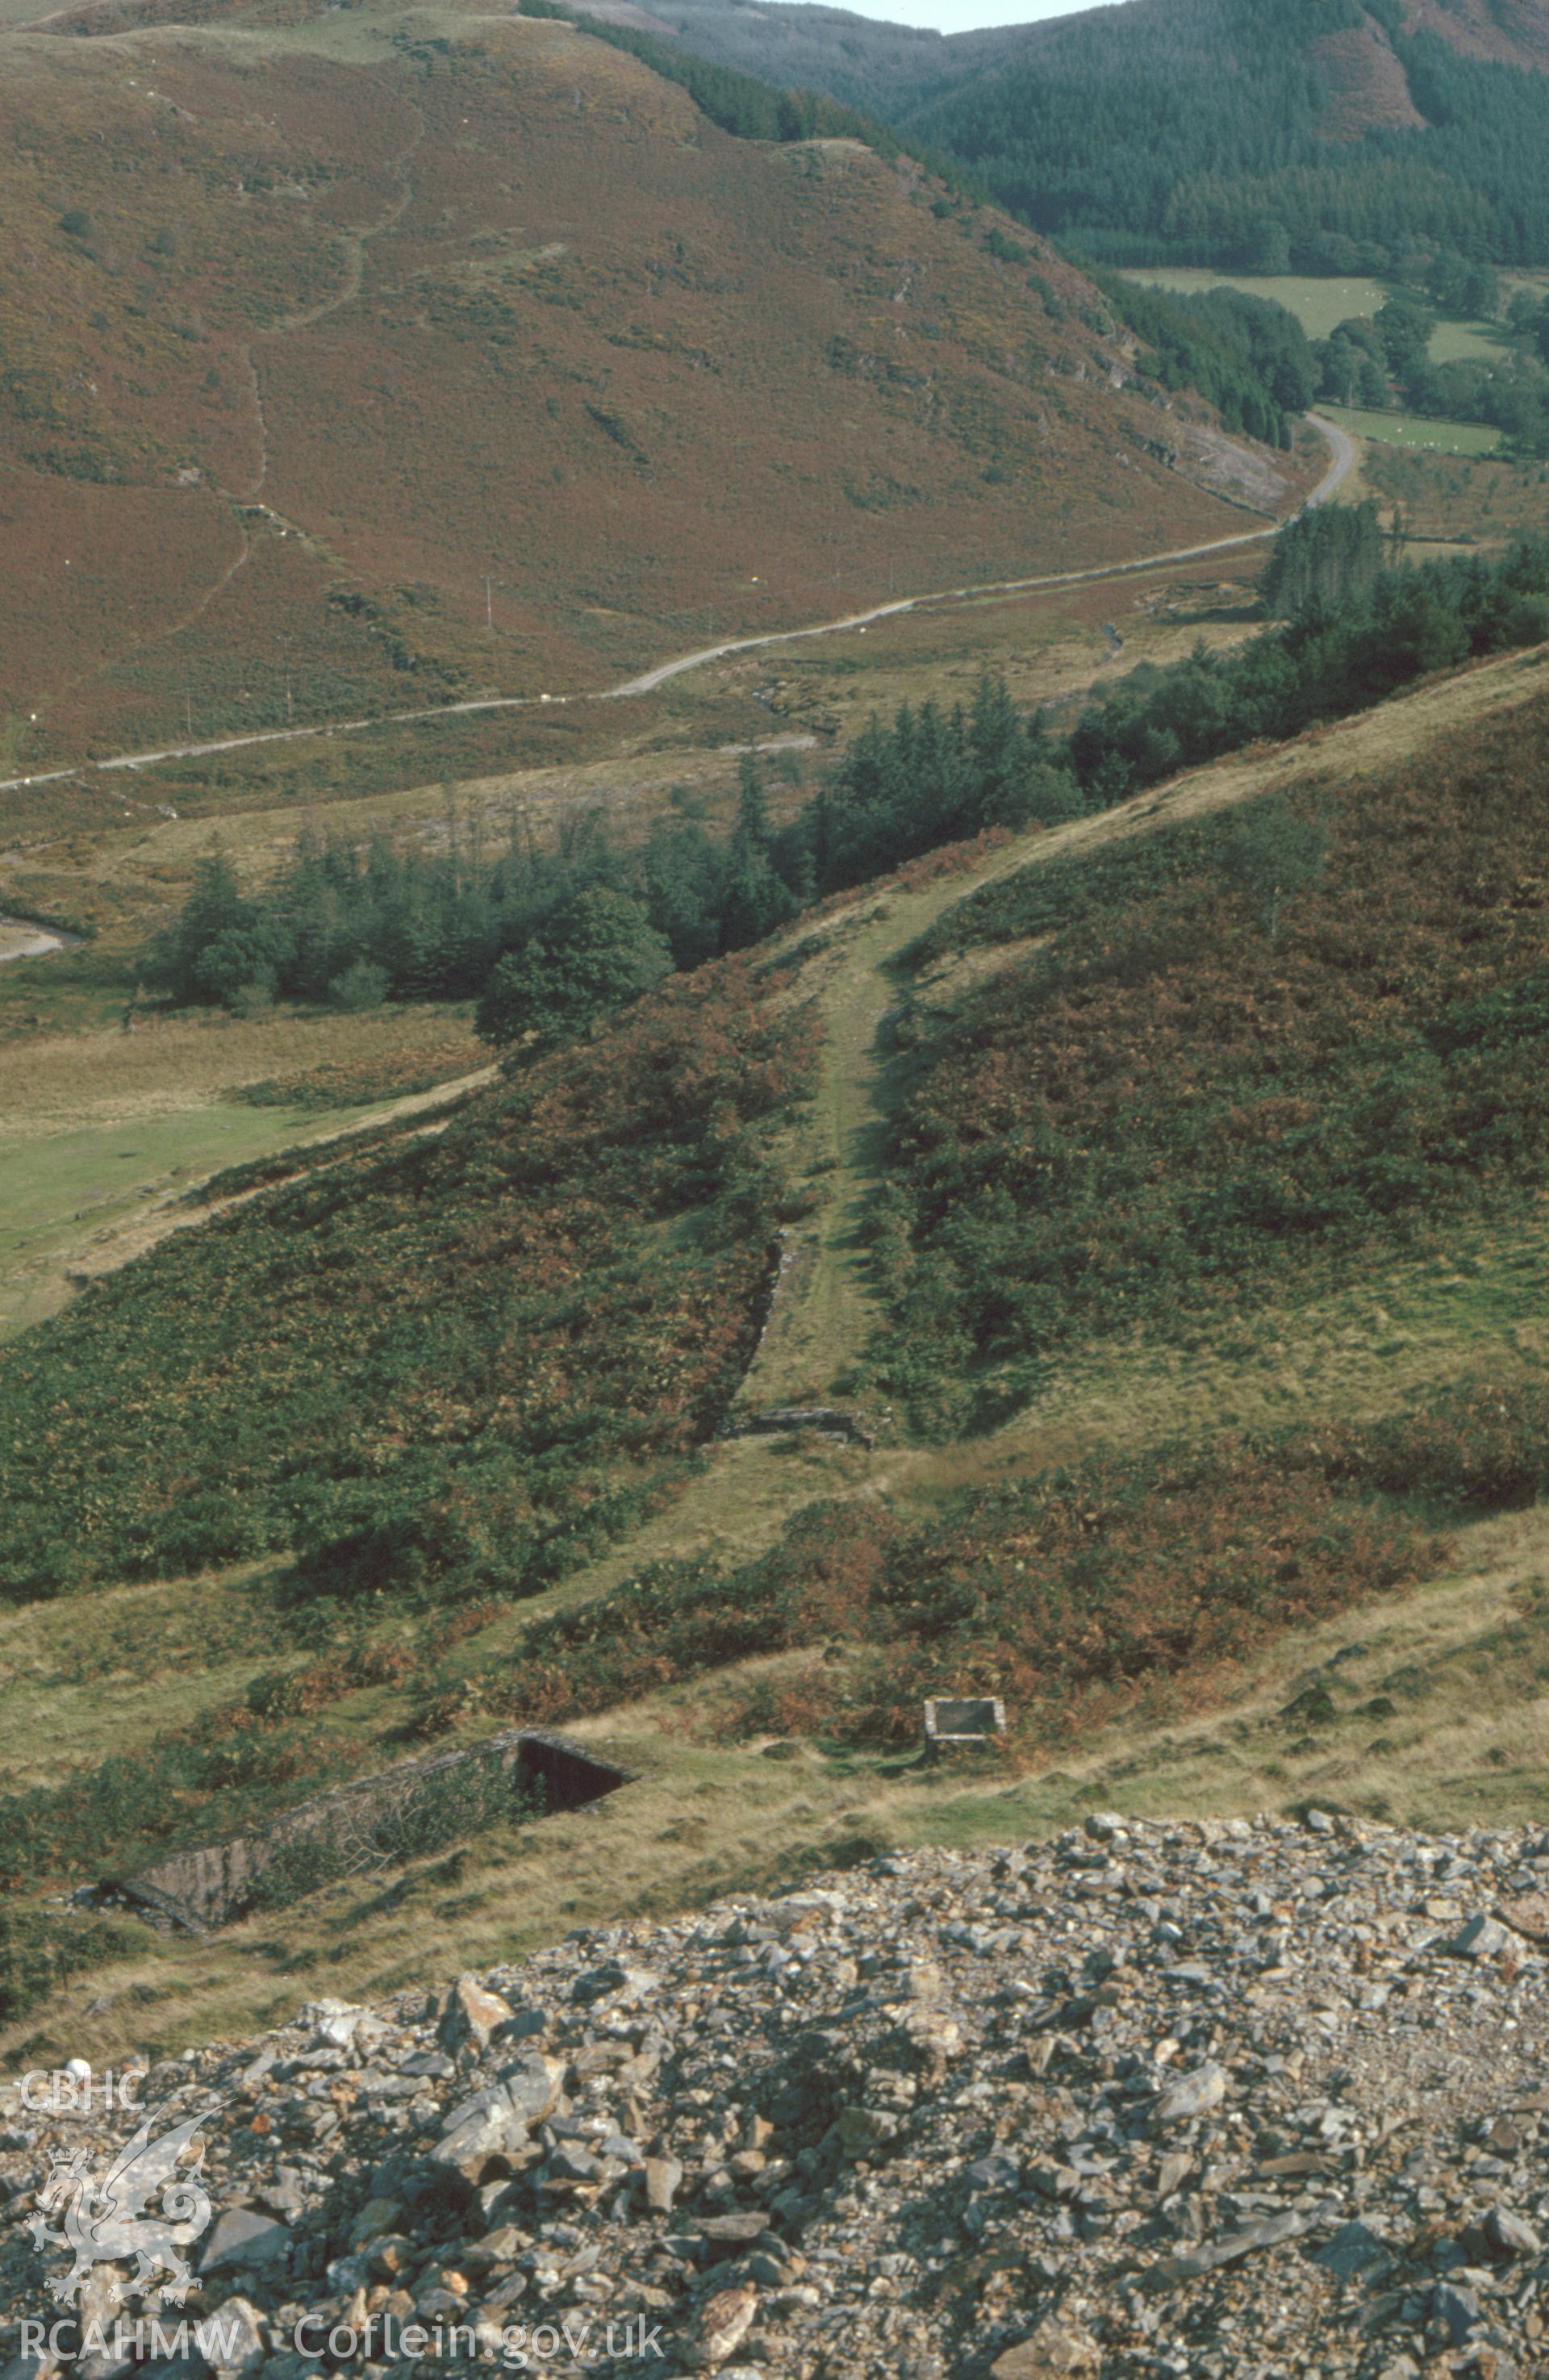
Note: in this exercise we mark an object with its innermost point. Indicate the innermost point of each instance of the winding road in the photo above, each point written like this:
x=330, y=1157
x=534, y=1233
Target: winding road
x=1345, y=458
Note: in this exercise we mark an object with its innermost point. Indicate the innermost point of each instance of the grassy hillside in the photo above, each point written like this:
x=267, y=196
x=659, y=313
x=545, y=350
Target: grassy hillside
x=507, y=1341
x=1265, y=1048
x=460, y=1358
x=480, y=355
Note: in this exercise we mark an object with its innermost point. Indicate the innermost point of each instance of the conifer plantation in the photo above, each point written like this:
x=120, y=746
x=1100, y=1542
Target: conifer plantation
x=1260, y=134
x=549, y=939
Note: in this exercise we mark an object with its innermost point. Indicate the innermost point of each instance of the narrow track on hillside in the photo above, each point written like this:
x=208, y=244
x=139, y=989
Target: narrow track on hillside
x=1345, y=454
x=826, y=1308
x=307, y=316
x=749, y=1487
x=244, y=501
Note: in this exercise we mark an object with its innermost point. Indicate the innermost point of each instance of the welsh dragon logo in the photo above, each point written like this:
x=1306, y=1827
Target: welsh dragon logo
x=105, y=2219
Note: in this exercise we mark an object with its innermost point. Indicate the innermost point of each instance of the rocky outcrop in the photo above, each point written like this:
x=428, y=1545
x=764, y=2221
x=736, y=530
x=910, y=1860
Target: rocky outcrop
x=1212, y=2102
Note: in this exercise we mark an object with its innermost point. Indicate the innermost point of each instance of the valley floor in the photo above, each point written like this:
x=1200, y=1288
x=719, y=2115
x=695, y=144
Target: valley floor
x=1344, y=460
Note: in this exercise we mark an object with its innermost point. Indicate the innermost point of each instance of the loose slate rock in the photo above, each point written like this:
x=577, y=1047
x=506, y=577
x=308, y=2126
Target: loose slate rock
x=1355, y=2248
x=724, y=2324
x=242, y=2238
x=1203, y=2101
x=663, y=2175
x=1193, y=2095
x=473, y=2013
x=1481, y=1937
x=1237, y=2244
x=1509, y=2235
x=1053, y=2352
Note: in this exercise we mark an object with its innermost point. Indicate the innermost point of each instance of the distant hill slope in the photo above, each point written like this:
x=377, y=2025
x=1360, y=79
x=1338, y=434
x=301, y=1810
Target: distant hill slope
x=390, y=353
x=886, y=68
x=1334, y=135
x=1513, y=32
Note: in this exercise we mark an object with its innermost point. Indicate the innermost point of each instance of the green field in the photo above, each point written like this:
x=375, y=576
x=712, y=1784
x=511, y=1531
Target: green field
x=1319, y=305
x=1469, y=343
x=60, y=1190
x=1412, y=429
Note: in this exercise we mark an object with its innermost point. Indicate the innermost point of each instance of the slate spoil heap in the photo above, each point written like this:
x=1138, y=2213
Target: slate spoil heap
x=1223, y=2099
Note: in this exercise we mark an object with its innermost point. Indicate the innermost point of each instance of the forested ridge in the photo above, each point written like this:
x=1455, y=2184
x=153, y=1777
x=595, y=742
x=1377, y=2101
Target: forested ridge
x=1197, y=131
x=1248, y=357
x=1211, y=132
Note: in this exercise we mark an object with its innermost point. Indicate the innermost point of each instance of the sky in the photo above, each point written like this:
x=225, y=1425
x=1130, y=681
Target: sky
x=962, y=16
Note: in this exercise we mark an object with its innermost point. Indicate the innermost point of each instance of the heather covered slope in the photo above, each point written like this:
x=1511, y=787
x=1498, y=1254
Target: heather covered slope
x=1508, y=32
x=362, y=360
x=1257, y=1049
x=1201, y=1101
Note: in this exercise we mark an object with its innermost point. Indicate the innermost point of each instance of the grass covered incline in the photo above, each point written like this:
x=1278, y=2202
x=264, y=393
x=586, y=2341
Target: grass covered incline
x=1252, y=1051
x=468, y=1356
x=1073, y=1593
x=447, y=1367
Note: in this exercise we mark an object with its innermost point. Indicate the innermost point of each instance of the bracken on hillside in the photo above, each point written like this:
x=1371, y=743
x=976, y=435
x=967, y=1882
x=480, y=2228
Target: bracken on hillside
x=467, y=1356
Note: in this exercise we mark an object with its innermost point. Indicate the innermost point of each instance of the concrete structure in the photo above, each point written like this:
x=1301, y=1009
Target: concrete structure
x=965, y=1719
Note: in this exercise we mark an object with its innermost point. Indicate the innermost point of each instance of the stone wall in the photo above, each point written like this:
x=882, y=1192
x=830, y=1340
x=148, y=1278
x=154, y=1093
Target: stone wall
x=216, y=1883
